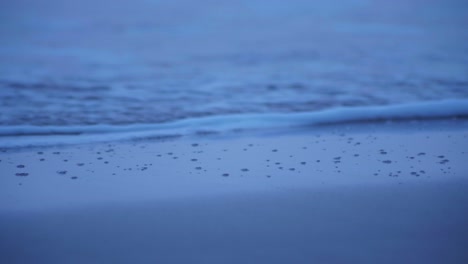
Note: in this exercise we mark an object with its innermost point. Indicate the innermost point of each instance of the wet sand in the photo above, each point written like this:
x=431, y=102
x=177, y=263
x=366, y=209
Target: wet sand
x=360, y=194
x=412, y=223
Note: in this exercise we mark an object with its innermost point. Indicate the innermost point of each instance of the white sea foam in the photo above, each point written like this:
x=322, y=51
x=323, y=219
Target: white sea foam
x=11, y=136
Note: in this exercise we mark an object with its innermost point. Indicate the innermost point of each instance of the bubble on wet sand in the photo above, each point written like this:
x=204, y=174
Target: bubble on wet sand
x=22, y=174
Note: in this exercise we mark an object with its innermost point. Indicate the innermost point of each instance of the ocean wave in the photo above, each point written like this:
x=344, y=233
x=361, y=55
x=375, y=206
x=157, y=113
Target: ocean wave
x=27, y=135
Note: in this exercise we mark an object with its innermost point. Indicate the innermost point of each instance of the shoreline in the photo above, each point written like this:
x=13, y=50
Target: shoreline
x=378, y=193
x=227, y=164
x=47, y=135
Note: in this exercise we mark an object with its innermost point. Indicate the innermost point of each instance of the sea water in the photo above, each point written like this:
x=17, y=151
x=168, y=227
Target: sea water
x=87, y=67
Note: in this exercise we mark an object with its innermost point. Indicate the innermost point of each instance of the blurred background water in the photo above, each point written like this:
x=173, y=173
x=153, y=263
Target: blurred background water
x=65, y=62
